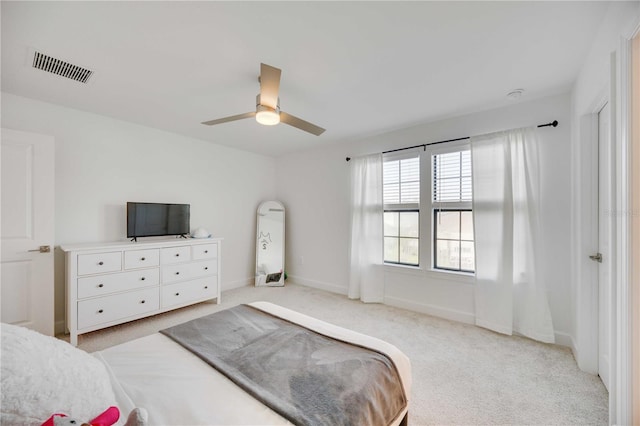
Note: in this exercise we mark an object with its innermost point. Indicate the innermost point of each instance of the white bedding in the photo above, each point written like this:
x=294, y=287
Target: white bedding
x=178, y=388
x=41, y=375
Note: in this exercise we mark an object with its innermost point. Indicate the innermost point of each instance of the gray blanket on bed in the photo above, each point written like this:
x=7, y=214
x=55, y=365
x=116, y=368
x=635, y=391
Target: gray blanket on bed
x=307, y=378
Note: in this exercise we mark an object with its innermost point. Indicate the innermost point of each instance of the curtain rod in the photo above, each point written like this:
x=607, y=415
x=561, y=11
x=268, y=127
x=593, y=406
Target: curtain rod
x=554, y=123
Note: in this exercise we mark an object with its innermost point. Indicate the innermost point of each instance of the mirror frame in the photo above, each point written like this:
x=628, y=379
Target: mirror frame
x=265, y=206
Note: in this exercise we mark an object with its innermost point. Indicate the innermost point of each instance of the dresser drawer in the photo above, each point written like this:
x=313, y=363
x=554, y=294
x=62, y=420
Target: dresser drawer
x=112, y=283
x=134, y=259
x=99, y=263
x=187, y=271
x=119, y=306
x=205, y=251
x=171, y=255
x=190, y=291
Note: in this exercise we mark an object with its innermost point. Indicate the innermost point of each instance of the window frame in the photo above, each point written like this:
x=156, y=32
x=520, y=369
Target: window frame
x=405, y=207
x=434, y=206
x=400, y=237
x=435, y=240
x=426, y=243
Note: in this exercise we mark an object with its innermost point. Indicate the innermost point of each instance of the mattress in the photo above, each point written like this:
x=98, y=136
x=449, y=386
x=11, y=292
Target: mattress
x=178, y=388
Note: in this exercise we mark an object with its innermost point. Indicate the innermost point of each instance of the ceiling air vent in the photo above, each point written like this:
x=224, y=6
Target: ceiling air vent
x=61, y=68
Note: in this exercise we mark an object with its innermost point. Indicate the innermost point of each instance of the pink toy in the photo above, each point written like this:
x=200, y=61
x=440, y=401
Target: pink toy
x=109, y=417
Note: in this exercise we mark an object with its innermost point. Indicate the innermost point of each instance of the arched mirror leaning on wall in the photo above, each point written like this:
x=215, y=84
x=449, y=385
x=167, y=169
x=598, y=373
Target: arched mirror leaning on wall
x=270, y=245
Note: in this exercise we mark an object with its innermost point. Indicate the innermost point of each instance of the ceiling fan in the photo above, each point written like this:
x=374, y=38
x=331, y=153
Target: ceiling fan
x=268, y=105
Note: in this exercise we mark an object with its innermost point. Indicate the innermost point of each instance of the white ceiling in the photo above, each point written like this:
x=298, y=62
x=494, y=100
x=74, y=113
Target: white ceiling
x=354, y=68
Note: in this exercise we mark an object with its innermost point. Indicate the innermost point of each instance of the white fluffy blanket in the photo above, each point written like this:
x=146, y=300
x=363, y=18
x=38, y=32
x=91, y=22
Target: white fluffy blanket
x=42, y=375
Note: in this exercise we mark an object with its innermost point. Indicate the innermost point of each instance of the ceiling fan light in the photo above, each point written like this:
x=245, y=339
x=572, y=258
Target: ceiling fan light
x=268, y=117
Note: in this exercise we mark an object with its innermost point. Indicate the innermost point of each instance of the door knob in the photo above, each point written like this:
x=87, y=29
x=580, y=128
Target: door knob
x=42, y=249
x=596, y=257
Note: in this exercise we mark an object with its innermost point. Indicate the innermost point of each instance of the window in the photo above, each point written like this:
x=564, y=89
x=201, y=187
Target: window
x=453, y=244
x=401, y=195
x=436, y=181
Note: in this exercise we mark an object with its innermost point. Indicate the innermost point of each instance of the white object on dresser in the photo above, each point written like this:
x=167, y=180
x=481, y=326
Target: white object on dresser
x=112, y=283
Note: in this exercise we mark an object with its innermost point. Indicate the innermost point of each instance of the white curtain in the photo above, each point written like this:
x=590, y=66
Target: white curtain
x=366, y=281
x=510, y=291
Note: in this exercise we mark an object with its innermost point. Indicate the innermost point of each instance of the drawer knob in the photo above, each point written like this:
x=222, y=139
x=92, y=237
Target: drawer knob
x=206, y=287
x=100, y=311
x=142, y=301
x=101, y=263
x=206, y=268
x=142, y=278
x=177, y=254
x=178, y=273
x=206, y=251
x=100, y=285
x=177, y=294
x=143, y=259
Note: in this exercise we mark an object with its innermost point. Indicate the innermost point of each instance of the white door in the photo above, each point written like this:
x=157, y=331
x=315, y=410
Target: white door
x=605, y=231
x=27, y=185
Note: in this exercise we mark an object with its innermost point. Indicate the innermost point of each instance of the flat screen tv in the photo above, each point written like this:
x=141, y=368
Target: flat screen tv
x=157, y=219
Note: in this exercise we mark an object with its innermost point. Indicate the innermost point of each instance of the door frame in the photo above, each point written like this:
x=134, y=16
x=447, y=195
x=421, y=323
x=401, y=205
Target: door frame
x=635, y=225
x=585, y=233
x=606, y=217
x=621, y=402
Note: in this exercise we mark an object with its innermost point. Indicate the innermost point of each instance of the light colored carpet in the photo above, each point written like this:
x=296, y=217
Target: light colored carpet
x=462, y=374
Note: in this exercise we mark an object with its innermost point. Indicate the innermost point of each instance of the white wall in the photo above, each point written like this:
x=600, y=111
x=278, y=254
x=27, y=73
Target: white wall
x=592, y=87
x=102, y=163
x=598, y=81
x=314, y=187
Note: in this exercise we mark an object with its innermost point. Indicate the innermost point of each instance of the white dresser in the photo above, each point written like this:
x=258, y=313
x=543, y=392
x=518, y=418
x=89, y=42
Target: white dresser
x=112, y=283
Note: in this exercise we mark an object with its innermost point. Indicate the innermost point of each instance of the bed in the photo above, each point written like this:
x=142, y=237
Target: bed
x=173, y=385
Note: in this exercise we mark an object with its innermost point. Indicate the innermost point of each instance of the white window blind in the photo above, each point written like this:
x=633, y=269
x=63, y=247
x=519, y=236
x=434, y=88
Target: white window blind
x=452, y=177
x=402, y=181
x=401, y=197
x=453, y=239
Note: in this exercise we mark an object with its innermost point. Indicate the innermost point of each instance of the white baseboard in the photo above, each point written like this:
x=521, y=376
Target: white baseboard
x=562, y=338
x=59, y=327
x=565, y=339
x=436, y=311
x=237, y=284
x=333, y=288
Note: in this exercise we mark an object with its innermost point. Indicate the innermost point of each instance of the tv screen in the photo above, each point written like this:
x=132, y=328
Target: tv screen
x=156, y=219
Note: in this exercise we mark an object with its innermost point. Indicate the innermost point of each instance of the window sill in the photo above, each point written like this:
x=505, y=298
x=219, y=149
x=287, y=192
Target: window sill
x=438, y=274
x=403, y=269
x=460, y=277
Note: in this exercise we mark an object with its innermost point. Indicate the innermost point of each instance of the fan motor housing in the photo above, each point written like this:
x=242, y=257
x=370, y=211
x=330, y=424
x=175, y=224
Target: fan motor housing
x=261, y=107
x=267, y=115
